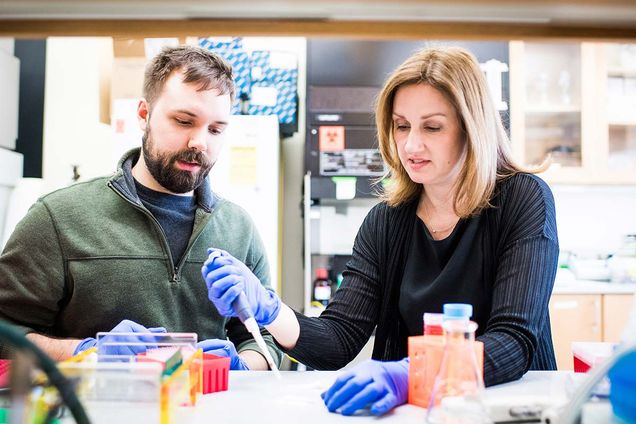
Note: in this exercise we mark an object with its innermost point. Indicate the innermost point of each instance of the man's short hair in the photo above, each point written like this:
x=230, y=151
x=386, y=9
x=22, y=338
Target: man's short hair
x=199, y=66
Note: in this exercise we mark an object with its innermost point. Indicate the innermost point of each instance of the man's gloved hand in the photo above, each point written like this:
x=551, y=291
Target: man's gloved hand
x=382, y=385
x=226, y=348
x=127, y=347
x=226, y=276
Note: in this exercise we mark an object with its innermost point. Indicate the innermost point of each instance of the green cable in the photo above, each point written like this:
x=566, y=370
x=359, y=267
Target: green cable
x=11, y=335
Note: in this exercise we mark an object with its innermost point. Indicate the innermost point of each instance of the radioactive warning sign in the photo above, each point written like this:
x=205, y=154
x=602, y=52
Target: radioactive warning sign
x=331, y=138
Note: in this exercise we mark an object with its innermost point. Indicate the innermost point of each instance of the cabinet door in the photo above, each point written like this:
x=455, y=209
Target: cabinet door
x=616, y=308
x=552, y=97
x=574, y=318
x=617, y=112
x=575, y=103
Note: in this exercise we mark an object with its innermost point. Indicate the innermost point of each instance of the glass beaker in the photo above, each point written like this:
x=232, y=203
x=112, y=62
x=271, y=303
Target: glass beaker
x=457, y=395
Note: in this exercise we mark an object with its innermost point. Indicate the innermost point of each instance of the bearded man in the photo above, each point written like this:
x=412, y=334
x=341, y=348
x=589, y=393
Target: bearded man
x=124, y=252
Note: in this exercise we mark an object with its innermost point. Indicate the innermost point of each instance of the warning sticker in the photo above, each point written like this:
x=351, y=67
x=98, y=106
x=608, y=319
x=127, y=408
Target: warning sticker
x=331, y=138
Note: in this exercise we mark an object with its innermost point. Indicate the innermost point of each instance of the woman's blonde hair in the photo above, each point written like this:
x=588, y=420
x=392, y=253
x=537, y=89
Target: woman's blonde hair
x=456, y=74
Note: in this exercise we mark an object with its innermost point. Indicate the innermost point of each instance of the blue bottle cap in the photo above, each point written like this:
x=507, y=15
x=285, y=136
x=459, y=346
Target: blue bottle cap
x=457, y=311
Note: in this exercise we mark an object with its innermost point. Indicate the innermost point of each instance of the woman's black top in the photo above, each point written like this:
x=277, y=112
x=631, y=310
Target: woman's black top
x=502, y=261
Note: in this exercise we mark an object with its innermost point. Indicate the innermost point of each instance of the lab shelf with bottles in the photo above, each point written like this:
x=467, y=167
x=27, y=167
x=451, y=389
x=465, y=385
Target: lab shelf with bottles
x=547, y=98
x=331, y=226
x=575, y=103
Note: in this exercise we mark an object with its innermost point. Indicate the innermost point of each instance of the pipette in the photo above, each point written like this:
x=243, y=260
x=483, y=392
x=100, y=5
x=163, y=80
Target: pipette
x=242, y=308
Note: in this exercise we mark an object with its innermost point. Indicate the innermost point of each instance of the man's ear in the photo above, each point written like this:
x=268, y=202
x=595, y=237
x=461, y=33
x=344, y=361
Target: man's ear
x=143, y=113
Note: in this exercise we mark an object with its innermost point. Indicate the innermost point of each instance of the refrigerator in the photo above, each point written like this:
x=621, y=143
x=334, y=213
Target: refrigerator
x=247, y=173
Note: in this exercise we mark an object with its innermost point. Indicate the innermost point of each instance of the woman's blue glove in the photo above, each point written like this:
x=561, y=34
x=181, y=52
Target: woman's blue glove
x=225, y=348
x=128, y=347
x=382, y=385
x=226, y=276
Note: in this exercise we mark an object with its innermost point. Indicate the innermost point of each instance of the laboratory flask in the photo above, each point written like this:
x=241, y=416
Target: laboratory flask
x=457, y=396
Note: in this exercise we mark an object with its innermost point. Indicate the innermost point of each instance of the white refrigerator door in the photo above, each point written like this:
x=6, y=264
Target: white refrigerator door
x=247, y=173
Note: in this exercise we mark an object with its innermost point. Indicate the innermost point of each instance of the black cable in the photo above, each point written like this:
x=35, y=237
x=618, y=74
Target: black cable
x=9, y=334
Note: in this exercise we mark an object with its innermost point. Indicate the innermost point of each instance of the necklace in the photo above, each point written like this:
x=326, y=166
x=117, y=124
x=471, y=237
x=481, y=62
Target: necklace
x=426, y=218
x=442, y=230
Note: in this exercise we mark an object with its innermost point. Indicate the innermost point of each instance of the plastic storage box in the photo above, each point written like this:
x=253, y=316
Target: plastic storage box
x=163, y=373
x=588, y=354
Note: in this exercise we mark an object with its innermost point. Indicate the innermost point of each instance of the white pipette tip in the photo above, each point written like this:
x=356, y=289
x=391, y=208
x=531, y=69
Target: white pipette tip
x=252, y=327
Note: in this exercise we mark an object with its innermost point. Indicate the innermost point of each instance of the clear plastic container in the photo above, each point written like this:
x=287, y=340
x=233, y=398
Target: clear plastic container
x=149, y=375
x=457, y=395
x=122, y=347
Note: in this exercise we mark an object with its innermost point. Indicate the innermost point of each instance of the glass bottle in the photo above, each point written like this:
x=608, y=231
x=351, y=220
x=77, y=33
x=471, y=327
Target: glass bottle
x=457, y=395
x=322, y=286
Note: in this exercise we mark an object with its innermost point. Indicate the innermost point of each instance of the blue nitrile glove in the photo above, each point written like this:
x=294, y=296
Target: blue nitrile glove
x=380, y=385
x=125, y=326
x=225, y=348
x=226, y=276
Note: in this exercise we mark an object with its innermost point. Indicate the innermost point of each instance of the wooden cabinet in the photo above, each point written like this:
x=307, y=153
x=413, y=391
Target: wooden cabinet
x=616, y=64
x=586, y=318
x=616, y=308
x=574, y=318
x=574, y=102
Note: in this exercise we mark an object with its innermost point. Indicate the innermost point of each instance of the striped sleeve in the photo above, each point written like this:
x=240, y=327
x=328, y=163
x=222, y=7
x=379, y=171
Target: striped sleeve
x=517, y=335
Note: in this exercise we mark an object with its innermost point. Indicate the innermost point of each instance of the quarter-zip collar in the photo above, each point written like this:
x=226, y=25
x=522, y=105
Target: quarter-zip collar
x=124, y=182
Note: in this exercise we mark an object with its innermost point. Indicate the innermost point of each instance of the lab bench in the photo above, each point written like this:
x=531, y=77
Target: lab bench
x=258, y=397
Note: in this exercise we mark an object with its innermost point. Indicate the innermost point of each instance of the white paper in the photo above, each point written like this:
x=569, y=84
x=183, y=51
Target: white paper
x=345, y=188
x=264, y=96
x=282, y=60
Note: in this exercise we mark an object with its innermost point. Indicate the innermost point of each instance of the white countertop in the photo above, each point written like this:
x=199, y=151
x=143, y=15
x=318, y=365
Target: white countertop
x=256, y=397
x=566, y=282
x=592, y=287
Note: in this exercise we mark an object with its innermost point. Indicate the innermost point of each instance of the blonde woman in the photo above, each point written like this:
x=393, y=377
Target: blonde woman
x=461, y=222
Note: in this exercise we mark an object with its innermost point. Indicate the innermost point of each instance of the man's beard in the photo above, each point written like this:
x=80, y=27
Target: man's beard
x=163, y=166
